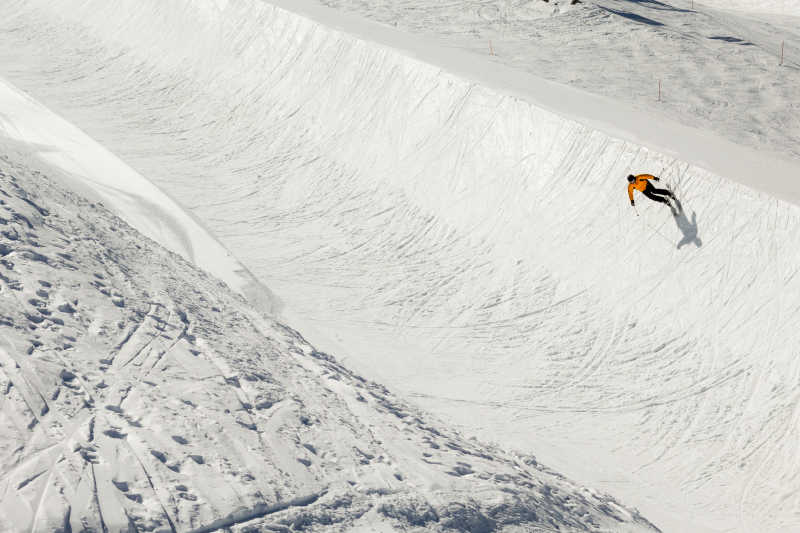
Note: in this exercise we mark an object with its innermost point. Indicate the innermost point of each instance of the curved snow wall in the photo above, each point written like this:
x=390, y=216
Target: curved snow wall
x=460, y=244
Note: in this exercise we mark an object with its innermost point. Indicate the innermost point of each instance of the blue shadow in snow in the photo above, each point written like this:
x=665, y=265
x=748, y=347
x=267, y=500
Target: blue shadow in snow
x=687, y=227
x=734, y=40
x=633, y=16
x=655, y=4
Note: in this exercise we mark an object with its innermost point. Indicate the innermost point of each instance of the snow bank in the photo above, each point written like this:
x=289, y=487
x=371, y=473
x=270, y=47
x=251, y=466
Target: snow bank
x=467, y=244
x=96, y=170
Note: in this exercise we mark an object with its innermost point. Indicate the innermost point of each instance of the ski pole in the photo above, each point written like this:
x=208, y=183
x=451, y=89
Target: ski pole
x=637, y=211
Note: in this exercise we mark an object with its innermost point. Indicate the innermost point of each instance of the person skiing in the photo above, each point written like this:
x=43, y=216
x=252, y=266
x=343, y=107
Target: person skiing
x=642, y=184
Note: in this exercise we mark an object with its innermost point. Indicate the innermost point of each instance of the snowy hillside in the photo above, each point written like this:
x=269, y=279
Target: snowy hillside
x=139, y=394
x=452, y=224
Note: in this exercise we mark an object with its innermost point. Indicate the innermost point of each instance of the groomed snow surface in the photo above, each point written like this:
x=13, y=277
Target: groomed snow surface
x=470, y=247
x=141, y=394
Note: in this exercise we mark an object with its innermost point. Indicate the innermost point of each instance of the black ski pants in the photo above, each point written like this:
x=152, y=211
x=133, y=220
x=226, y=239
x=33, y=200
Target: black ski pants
x=653, y=193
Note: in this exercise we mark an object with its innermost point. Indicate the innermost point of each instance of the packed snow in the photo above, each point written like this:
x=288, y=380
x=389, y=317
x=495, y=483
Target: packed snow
x=141, y=394
x=438, y=212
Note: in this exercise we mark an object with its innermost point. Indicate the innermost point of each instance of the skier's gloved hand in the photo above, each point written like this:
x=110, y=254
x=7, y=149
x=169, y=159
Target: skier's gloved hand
x=631, y=203
x=657, y=179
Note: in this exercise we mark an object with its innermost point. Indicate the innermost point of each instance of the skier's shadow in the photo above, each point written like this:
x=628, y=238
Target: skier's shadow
x=688, y=228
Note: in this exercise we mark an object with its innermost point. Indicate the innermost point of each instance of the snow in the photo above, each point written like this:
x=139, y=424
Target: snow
x=719, y=70
x=454, y=226
x=136, y=199
x=762, y=168
x=141, y=394
x=780, y=7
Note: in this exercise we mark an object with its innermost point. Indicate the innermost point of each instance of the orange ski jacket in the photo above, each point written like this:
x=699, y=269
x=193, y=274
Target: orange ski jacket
x=640, y=184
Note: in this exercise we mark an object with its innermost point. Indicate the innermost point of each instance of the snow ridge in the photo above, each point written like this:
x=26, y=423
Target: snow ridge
x=98, y=172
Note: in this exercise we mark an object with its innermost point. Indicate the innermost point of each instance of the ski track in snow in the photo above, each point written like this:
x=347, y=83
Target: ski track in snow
x=469, y=249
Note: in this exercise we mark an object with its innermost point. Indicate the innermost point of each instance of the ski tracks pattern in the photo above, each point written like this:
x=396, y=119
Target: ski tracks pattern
x=140, y=394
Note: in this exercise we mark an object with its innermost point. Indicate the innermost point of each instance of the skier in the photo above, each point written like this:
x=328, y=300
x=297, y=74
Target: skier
x=642, y=184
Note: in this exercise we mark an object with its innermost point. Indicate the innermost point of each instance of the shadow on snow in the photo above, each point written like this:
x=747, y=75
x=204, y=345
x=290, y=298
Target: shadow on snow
x=687, y=227
x=661, y=6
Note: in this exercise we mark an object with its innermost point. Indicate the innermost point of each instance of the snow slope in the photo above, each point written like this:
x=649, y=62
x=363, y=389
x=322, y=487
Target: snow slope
x=137, y=393
x=468, y=246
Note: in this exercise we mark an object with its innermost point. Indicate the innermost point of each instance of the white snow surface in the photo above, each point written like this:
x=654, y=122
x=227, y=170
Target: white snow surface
x=141, y=394
x=467, y=240
x=719, y=70
x=137, y=200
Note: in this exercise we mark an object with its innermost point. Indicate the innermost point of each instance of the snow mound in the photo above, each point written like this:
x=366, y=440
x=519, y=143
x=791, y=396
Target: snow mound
x=87, y=165
x=141, y=394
